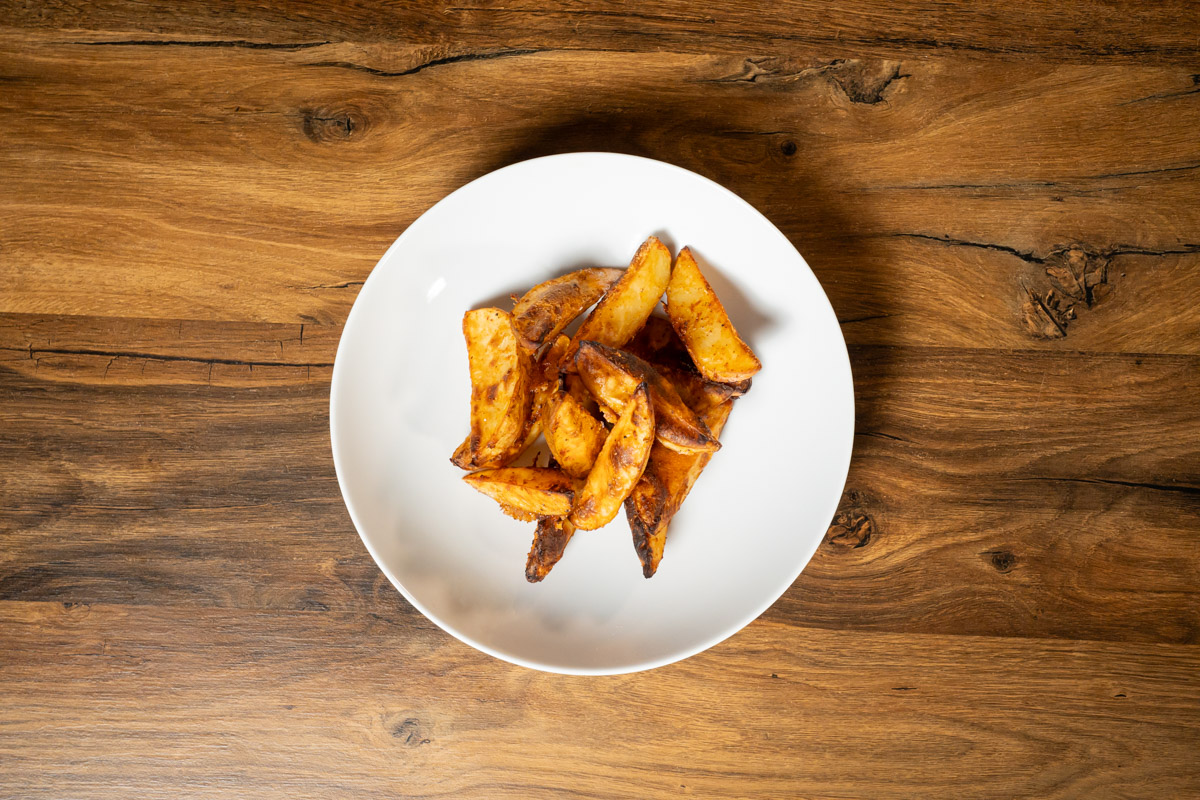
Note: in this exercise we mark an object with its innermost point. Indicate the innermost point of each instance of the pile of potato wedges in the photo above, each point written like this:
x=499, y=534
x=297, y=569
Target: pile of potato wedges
x=631, y=407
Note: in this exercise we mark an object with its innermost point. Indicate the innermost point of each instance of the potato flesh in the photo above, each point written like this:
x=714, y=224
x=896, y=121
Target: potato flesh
x=542, y=313
x=623, y=309
x=612, y=375
x=701, y=322
x=535, y=490
x=619, y=465
x=501, y=399
x=668, y=479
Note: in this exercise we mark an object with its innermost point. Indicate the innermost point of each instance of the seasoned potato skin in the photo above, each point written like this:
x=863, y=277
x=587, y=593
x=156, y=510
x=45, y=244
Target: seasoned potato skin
x=541, y=491
x=619, y=465
x=612, y=375
x=549, y=542
x=542, y=312
x=625, y=307
x=501, y=400
x=664, y=485
x=702, y=324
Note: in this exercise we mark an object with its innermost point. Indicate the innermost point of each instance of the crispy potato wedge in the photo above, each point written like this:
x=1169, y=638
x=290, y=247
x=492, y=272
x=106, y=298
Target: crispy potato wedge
x=623, y=310
x=549, y=541
x=701, y=322
x=612, y=375
x=501, y=400
x=668, y=478
x=659, y=345
x=573, y=435
x=697, y=392
x=535, y=490
x=619, y=465
x=543, y=311
x=545, y=389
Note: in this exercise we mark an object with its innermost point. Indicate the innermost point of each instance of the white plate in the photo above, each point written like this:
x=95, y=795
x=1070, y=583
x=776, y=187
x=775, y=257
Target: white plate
x=400, y=399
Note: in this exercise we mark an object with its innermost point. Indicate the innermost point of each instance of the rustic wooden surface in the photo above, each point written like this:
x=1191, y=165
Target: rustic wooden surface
x=1001, y=199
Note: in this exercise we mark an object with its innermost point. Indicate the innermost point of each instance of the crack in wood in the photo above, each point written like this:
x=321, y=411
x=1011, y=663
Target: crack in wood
x=863, y=82
x=84, y=351
x=436, y=62
x=1157, y=487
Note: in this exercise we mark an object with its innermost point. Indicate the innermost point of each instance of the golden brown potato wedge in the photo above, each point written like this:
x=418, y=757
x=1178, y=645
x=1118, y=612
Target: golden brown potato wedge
x=543, y=311
x=668, y=478
x=573, y=435
x=545, y=389
x=659, y=345
x=501, y=400
x=621, y=312
x=549, y=541
x=619, y=465
x=701, y=322
x=535, y=490
x=697, y=392
x=612, y=375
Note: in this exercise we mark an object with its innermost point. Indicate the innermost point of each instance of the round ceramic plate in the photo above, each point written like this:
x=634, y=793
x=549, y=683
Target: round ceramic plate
x=399, y=406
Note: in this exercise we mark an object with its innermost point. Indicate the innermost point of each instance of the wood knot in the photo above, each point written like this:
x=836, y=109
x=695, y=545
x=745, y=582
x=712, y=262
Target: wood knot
x=788, y=148
x=333, y=125
x=851, y=529
x=1076, y=278
x=864, y=82
x=1002, y=560
x=411, y=732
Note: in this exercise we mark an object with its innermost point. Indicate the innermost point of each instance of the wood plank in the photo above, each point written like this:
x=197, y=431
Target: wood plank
x=1019, y=494
x=1084, y=30
x=181, y=701
x=932, y=217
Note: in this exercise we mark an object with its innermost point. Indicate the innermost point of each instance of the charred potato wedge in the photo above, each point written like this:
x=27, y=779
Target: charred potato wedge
x=542, y=313
x=701, y=322
x=612, y=375
x=623, y=310
x=541, y=491
x=619, y=465
x=501, y=400
x=549, y=542
x=573, y=435
x=664, y=485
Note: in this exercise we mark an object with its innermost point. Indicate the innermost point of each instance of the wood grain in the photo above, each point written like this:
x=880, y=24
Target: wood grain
x=366, y=704
x=1000, y=201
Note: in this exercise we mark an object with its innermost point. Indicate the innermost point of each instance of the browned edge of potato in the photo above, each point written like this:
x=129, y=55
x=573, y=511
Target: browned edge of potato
x=619, y=465
x=501, y=400
x=612, y=375
x=541, y=491
x=545, y=310
x=666, y=482
x=625, y=307
x=659, y=345
x=549, y=541
x=698, y=317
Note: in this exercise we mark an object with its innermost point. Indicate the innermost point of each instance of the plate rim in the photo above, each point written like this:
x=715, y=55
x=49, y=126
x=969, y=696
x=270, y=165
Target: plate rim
x=639, y=666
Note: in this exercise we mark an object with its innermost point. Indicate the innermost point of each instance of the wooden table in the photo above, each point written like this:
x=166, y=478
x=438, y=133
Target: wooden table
x=1002, y=201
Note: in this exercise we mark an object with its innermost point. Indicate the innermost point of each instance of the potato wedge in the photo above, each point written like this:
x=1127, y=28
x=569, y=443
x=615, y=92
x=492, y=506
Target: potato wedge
x=612, y=375
x=701, y=322
x=664, y=485
x=545, y=389
x=621, y=312
x=549, y=541
x=573, y=435
x=619, y=465
x=543, y=311
x=535, y=490
x=659, y=345
x=501, y=400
